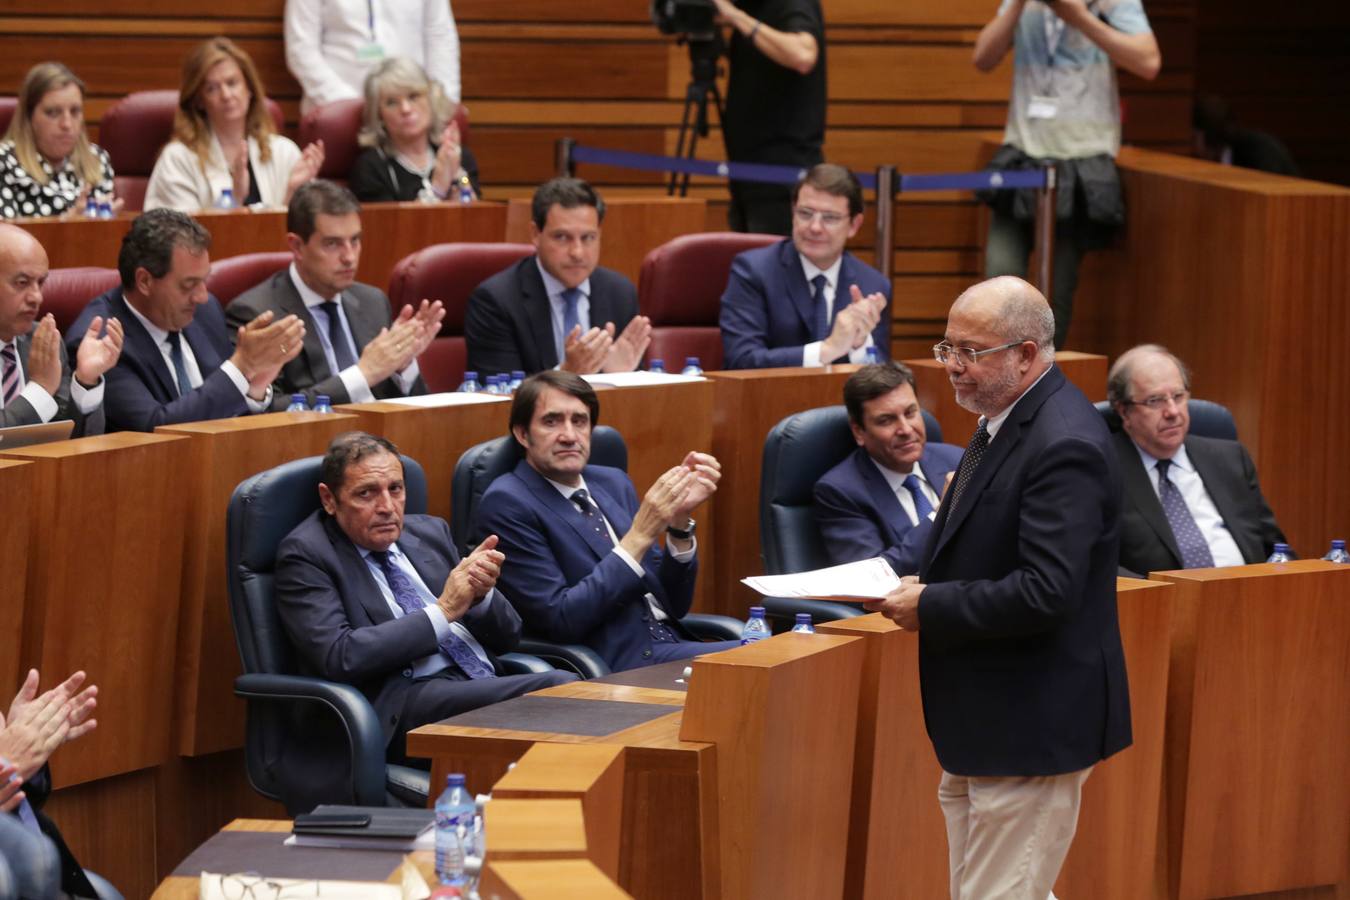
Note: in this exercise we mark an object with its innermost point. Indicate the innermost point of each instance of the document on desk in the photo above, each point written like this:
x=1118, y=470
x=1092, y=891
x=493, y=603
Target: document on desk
x=870, y=579
x=449, y=398
x=639, y=379
x=220, y=886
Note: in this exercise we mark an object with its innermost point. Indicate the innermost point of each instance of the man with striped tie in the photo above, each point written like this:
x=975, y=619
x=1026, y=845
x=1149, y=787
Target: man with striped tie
x=36, y=382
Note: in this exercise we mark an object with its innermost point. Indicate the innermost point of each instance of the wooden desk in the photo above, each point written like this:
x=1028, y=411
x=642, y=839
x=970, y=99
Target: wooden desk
x=561, y=879
x=1256, y=783
x=747, y=405
x=1085, y=370
x=221, y=453
x=102, y=588
x=16, y=490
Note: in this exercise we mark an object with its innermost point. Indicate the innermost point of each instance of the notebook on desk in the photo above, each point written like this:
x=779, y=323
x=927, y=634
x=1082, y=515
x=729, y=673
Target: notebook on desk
x=387, y=828
x=42, y=433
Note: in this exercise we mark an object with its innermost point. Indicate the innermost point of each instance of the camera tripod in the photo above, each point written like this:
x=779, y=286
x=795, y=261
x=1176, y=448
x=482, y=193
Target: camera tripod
x=704, y=51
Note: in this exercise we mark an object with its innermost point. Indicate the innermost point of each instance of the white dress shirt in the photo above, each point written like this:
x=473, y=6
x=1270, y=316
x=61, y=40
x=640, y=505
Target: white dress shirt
x=433, y=662
x=558, y=309
x=811, y=351
x=1182, y=473
x=194, y=372
x=44, y=404
x=358, y=389
x=896, y=482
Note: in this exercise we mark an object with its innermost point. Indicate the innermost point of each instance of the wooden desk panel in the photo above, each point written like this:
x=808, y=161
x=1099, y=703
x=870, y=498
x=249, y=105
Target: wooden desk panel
x=534, y=829
x=103, y=588
x=222, y=453
x=1085, y=370
x=1256, y=785
x=747, y=404
x=16, y=497
x=553, y=879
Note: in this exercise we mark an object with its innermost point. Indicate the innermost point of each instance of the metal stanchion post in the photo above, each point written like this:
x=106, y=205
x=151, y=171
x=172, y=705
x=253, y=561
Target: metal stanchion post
x=562, y=157
x=1045, y=234
x=888, y=185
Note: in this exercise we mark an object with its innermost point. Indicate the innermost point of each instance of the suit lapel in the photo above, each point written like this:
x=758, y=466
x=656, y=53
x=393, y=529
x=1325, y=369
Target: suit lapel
x=799, y=292
x=888, y=504
x=429, y=565
x=208, y=358
x=538, y=314
x=1210, y=471
x=1139, y=488
x=364, y=327
x=358, y=573
x=289, y=302
x=565, y=509
x=142, y=346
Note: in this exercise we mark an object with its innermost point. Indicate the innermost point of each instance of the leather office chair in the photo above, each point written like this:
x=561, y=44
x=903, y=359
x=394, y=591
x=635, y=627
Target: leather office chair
x=7, y=107
x=135, y=129
x=680, y=289
x=448, y=273
x=262, y=511
x=797, y=453
x=233, y=275
x=66, y=292
x=482, y=464
x=338, y=124
x=1208, y=419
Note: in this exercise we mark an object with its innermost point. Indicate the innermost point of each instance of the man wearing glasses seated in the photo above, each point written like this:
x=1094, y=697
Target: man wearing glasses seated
x=805, y=301
x=1190, y=502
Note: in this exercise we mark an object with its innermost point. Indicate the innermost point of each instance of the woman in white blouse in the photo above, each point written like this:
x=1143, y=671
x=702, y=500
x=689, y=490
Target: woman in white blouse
x=225, y=140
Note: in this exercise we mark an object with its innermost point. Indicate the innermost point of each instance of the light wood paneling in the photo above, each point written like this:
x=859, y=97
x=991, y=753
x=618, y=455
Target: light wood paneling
x=17, y=492
x=562, y=879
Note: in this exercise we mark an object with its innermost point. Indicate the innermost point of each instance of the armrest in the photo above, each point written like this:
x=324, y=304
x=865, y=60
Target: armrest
x=569, y=657
x=786, y=609
x=364, y=735
x=522, y=664
x=712, y=627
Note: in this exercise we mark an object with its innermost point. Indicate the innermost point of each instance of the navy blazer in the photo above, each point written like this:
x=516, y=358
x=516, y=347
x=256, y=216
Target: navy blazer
x=141, y=391
x=566, y=580
x=1021, y=666
x=509, y=323
x=767, y=314
x=1146, y=540
x=21, y=412
x=342, y=627
x=860, y=517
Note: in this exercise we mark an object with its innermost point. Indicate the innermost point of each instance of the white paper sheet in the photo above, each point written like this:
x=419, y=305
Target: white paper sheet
x=639, y=379
x=450, y=398
x=870, y=579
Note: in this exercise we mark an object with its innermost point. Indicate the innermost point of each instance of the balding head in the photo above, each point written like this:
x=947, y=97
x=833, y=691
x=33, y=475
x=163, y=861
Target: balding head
x=1009, y=317
x=23, y=268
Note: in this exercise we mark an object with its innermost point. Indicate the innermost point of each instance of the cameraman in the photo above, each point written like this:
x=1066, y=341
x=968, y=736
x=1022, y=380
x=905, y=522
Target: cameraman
x=775, y=111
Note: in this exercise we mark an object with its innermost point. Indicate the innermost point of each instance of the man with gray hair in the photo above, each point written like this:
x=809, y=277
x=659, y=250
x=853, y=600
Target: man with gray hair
x=1190, y=501
x=1022, y=669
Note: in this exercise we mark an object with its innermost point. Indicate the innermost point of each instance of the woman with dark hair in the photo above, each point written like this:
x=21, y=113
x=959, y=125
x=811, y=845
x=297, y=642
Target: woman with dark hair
x=224, y=139
x=47, y=165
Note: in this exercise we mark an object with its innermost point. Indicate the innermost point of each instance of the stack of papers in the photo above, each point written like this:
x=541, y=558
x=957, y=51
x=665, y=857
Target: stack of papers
x=638, y=379
x=871, y=579
x=450, y=398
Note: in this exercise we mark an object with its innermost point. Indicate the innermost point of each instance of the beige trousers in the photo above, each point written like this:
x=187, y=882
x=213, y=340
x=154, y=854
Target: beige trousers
x=1007, y=837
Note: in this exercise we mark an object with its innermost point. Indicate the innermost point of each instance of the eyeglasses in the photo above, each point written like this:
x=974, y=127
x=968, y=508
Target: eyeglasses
x=252, y=886
x=805, y=215
x=966, y=356
x=1158, y=402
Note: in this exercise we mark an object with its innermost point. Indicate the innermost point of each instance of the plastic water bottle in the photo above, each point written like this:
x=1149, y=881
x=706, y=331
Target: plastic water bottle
x=297, y=403
x=873, y=355
x=226, y=199
x=454, y=811
x=323, y=404
x=1281, y=554
x=492, y=384
x=804, y=624
x=1337, y=552
x=104, y=209
x=756, y=629
x=658, y=365
x=691, y=366
x=470, y=384
x=517, y=377
x=465, y=190
x=91, y=206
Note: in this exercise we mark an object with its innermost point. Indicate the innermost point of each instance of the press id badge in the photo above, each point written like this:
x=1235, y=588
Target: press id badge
x=1043, y=107
x=371, y=52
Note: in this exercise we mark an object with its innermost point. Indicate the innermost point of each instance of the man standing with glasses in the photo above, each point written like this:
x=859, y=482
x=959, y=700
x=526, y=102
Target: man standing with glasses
x=1190, y=502
x=805, y=301
x=1022, y=672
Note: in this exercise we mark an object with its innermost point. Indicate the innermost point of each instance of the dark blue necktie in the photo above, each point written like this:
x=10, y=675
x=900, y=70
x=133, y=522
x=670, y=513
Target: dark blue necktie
x=921, y=505
x=592, y=514
x=1195, y=553
x=823, y=319
x=970, y=461
x=571, y=315
x=405, y=595
x=27, y=816
x=337, y=338
x=179, y=366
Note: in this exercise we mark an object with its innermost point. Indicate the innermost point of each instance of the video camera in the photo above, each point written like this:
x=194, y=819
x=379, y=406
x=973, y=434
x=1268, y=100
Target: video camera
x=694, y=19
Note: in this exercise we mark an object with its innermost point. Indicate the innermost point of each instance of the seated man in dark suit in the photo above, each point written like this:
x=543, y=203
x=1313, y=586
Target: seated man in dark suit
x=882, y=499
x=177, y=364
x=558, y=308
x=805, y=301
x=583, y=563
x=381, y=601
x=353, y=352
x=1190, y=501
x=35, y=376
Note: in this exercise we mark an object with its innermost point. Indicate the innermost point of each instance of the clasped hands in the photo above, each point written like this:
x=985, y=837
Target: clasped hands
x=671, y=499
x=853, y=324
x=471, y=580
x=598, y=350
x=36, y=726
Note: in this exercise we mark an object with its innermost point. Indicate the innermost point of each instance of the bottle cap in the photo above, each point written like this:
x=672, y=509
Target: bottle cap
x=322, y=398
x=1337, y=544
x=517, y=373
x=1281, y=548
x=756, y=610
x=691, y=360
x=803, y=618
x=297, y=398
x=470, y=376
x=455, y=779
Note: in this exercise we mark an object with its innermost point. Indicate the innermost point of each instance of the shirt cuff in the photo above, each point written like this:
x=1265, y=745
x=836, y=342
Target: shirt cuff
x=683, y=556
x=407, y=378
x=86, y=399
x=860, y=355
x=240, y=382
x=439, y=622
x=44, y=404
x=811, y=354
x=628, y=558
x=358, y=390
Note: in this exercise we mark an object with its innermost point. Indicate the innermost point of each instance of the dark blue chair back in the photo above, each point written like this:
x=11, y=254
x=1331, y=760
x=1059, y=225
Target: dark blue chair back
x=1208, y=419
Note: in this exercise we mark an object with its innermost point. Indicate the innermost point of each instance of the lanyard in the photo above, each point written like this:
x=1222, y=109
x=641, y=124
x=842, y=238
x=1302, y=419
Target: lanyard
x=1054, y=32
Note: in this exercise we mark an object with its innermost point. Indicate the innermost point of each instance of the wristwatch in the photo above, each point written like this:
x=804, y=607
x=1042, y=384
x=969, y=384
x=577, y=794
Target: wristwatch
x=684, y=533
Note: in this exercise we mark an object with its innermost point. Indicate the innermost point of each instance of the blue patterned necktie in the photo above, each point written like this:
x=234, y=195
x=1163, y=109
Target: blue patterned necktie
x=405, y=595
x=921, y=505
x=970, y=460
x=179, y=364
x=571, y=315
x=592, y=514
x=823, y=322
x=1195, y=553
x=337, y=338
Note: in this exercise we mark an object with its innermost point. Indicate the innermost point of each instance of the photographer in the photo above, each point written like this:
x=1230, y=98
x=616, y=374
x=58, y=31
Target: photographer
x=1064, y=109
x=775, y=111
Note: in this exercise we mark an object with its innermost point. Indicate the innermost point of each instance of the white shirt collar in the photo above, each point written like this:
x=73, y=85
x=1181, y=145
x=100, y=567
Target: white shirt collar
x=1179, y=460
x=308, y=295
x=994, y=423
x=895, y=479
x=811, y=270
x=556, y=287
x=568, y=490
x=157, y=334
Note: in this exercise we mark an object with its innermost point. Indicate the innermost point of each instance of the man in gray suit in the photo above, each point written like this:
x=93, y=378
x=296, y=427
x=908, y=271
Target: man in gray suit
x=353, y=351
x=35, y=376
